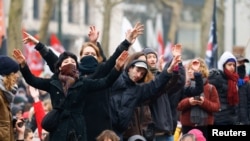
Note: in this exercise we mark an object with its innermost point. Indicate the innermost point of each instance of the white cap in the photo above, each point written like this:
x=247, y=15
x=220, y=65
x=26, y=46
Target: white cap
x=141, y=65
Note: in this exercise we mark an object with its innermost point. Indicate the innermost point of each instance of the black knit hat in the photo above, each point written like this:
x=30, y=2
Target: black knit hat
x=88, y=65
x=148, y=50
x=7, y=65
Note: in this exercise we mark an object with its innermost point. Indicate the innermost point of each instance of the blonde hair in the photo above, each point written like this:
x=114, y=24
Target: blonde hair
x=9, y=81
x=203, y=67
x=89, y=44
x=108, y=134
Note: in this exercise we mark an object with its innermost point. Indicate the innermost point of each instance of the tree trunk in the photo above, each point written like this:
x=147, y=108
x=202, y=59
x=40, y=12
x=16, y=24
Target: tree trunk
x=206, y=19
x=106, y=27
x=14, y=31
x=175, y=17
x=47, y=12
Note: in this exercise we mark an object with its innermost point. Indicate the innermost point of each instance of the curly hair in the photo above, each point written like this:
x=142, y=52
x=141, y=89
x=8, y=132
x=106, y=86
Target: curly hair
x=9, y=81
x=203, y=67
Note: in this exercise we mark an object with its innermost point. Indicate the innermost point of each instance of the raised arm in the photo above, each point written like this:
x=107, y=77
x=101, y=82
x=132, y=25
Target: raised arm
x=93, y=37
x=131, y=36
x=97, y=84
x=48, y=55
x=39, y=83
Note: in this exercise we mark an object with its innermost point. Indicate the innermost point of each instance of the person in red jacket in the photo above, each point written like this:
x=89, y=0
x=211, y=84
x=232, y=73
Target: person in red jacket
x=200, y=100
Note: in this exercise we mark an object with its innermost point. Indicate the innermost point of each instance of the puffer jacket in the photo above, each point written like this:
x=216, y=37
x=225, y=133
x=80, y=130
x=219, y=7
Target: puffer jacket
x=227, y=115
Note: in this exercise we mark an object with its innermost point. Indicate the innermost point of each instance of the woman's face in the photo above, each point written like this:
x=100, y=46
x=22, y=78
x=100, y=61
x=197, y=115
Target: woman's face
x=89, y=51
x=190, y=73
x=230, y=66
x=67, y=61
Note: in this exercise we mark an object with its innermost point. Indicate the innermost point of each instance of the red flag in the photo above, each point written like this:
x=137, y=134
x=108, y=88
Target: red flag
x=160, y=44
x=33, y=58
x=56, y=44
x=2, y=25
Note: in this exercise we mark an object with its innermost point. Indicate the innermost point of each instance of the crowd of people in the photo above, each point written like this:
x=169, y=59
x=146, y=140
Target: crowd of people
x=124, y=97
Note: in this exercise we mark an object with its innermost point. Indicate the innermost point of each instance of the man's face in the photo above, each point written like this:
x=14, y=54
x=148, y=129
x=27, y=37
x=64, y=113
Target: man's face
x=151, y=60
x=136, y=73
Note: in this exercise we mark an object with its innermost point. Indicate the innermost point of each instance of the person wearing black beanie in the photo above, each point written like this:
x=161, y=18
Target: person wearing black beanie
x=7, y=65
x=8, y=79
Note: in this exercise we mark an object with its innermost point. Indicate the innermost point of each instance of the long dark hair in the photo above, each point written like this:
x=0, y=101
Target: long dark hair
x=62, y=57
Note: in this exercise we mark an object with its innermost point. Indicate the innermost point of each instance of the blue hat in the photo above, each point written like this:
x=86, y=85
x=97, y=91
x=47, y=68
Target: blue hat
x=7, y=65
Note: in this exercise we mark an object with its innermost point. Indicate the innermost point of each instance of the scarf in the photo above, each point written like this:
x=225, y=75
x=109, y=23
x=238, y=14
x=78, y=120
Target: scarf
x=68, y=75
x=198, y=116
x=232, y=93
x=9, y=95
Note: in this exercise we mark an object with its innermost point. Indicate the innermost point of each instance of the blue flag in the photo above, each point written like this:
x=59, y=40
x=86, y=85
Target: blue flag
x=211, y=52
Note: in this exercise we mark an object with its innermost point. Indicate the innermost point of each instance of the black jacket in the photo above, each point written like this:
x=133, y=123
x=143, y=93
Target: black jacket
x=126, y=96
x=71, y=122
x=227, y=114
x=163, y=108
x=96, y=111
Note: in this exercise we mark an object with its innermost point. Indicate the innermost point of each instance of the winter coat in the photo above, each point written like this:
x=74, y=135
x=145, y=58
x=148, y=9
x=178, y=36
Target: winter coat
x=6, y=125
x=71, y=123
x=96, y=111
x=127, y=95
x=244, y=104
x=163, y=107
x=210, y=106
x=139, y=122
x=227, y=114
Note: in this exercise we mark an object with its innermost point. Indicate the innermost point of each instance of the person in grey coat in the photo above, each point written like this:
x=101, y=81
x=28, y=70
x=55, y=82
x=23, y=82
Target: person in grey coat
x=68, y=90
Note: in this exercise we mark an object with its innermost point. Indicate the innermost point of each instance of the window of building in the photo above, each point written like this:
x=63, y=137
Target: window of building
x=36, y=9
x=86, y=12
x=73, y=11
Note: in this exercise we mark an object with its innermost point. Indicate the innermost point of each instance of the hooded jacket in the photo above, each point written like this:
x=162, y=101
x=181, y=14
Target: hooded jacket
x=227, y=115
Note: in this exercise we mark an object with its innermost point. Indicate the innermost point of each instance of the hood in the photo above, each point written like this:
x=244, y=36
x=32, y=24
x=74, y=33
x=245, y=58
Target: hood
x=223, y=59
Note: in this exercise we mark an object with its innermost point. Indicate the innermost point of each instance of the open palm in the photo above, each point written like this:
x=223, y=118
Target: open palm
x=18, y=56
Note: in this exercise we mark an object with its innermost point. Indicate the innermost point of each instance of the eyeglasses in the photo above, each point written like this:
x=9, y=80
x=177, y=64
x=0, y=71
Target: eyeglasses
x=188, y=137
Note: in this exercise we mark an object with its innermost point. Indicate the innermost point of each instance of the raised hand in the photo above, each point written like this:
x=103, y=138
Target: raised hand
x=30, y=38
x=195, y=65
x=120, y=61
x=19, y=57
x=93, y=34
x=176, y=60
x=132, y=34
x=161, y=62
x=177, y=49
x=34, y=93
